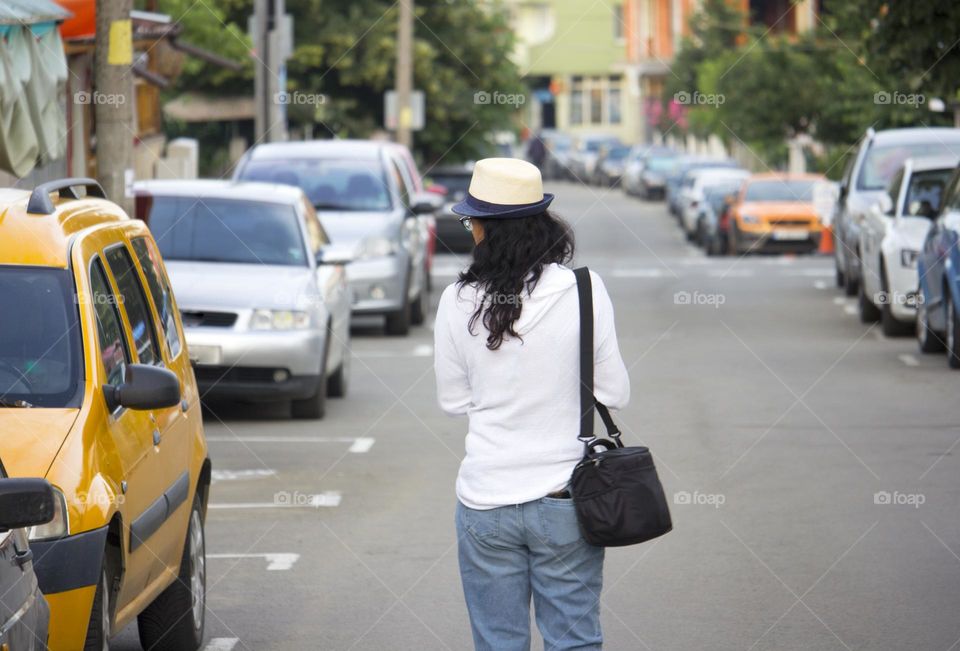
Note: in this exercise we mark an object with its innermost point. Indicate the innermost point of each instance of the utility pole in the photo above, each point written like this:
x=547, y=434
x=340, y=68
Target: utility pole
x=271, y=45
x=404, y=73
x=112, y=99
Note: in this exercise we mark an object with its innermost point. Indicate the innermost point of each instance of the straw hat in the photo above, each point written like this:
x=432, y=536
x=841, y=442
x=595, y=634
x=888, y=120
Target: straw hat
x=504, y=188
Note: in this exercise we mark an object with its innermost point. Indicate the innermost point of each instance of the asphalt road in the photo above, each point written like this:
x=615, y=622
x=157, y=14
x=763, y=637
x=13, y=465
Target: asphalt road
x=776, y=419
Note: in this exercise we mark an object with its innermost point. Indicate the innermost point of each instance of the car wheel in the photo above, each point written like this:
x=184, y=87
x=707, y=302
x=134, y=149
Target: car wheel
x=316, y=405
x=869, y=313
x=850, y=284
x=398, y=323
x=928, y=340
x=418, y=311
x=839, y=277
x=98, y=630
x=174, y=621
x=953, y=332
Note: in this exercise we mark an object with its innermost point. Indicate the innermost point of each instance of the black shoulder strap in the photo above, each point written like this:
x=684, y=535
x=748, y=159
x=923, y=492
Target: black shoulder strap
x=587, y=399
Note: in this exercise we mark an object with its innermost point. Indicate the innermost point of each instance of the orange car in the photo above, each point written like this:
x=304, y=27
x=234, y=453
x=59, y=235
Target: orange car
x=775, y=212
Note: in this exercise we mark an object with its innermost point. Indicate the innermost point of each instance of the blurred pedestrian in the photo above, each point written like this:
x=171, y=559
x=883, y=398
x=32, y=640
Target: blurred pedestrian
x=507, y=356
x=537, y=151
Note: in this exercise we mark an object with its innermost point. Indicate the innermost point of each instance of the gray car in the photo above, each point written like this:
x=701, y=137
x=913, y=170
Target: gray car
x=366, y=199
x=24, y=613
x=865, y=180
x=262, y=292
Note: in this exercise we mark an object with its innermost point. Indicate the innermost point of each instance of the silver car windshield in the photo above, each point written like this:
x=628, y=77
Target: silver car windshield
x=226, y=230
x=329, y=183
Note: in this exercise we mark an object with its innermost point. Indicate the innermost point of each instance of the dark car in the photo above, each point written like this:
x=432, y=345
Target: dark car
x=610, y=165
x=713, y=221
x=938, y=269
x=24, y=613
x=452, y=237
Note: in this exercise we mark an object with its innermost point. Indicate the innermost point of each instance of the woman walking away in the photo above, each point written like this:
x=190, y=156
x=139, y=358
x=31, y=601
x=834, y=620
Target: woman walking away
x=507, y=356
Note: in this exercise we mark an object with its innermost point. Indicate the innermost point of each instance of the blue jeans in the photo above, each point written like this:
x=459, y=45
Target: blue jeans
x=508, y=553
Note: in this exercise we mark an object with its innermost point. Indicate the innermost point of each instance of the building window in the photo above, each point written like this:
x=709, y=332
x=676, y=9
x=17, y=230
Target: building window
x=618, y=30
x=596, y=100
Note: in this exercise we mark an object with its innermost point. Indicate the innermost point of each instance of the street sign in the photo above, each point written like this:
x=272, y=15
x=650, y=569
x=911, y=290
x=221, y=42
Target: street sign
x=410, y=116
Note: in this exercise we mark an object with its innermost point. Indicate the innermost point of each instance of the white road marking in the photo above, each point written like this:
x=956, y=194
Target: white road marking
x=446, y=270
x=422, y=350
x=281, y=439
x=235, y=475
x=637, y=273
x=820, y=284
x=807, y=273
x=909, y=359
x=839, y=300
x=221, y=643
x=275, y=561
x=329, y=499
x=731, y=273
x=850, y=309
x=362, y=444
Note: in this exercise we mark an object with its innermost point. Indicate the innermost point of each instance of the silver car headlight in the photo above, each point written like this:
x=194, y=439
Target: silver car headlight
x=908, y=258
x=58, y=526
x=377, y=247
x=280, y=320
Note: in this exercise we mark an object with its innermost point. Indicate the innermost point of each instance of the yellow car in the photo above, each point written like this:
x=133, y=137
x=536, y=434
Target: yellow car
x=97, y=395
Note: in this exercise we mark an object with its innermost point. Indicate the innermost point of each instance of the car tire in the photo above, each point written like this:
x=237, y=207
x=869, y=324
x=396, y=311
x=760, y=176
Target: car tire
x=928, y=340
x=869, y=313
x=315, y=406
x=174, y=620
x=839, y=277
x=98, y=630
x=398, y=322
x=953, y=331
x=418, y=311
x=850, y=285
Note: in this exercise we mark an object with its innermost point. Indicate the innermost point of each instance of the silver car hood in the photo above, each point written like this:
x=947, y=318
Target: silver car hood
x=351, y=227
x=228, y=286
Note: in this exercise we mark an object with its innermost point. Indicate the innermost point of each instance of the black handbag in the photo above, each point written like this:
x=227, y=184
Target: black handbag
x=616, y=491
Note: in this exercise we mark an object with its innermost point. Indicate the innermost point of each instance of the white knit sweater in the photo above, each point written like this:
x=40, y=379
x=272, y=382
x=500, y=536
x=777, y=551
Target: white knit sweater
x=523, y=400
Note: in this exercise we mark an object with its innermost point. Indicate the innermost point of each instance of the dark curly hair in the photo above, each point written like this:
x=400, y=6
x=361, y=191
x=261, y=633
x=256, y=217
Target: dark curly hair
x=509, y=260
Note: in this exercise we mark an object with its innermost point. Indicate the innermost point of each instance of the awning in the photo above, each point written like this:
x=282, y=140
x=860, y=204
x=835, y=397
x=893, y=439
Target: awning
x=194, y=107
x=33, y=70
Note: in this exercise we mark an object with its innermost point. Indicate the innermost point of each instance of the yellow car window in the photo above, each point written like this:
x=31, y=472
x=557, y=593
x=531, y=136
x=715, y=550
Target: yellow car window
x=160, y=290
x=113, y=347
x=135, y=304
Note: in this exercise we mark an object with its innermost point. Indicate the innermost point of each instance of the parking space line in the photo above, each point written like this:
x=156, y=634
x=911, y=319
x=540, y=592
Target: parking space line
x=221, y=643
x=275, y=561
x=637, y=273
x=239, y=475
x=909, y=359
x=362, y=444
x=292, y=439
x=286, y=500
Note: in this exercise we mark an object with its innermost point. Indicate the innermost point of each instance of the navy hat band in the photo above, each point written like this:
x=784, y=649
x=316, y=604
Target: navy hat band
x=486, y=206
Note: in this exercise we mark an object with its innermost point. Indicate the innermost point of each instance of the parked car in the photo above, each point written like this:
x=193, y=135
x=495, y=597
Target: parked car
x=938, y=271
x=426, y=220
x=24, y=613
x=583, y=160
x=645, y=172
x=676, y=178
x=693, y=192
x=865, y=180
x=99, y=399
x=610, y=163
x=455, y=179
x=365, y=199
x=713, y=219
x=776, y=212
x=891, y=236
x=263, y=294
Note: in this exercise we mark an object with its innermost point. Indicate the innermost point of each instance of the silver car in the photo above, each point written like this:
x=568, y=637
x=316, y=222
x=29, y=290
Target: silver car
x=263, y=294
x=367, y=200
